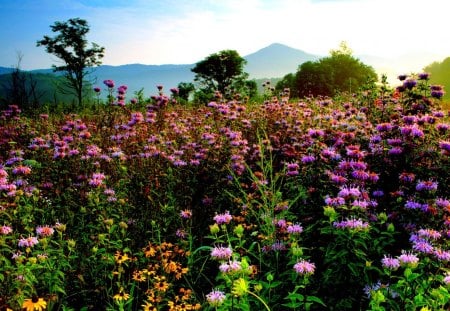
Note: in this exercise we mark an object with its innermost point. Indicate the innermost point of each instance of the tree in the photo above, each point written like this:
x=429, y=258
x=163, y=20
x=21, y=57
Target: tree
x=185, y=89
x=339, y=72
x=288, y=81
x=21, y=88
x=440, y=74
x=70, y=45
x=220, y=71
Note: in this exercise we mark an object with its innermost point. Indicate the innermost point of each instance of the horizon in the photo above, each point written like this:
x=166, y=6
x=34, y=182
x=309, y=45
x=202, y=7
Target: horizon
x=175, y=32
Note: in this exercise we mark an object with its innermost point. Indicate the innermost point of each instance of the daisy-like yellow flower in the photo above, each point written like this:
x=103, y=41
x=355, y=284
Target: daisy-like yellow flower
x=121, y=258
x=149, y=307
x=179, y=307
x=170, y=266
x=34, y=304
x=139, y=276
x=121, y=296
x=180, y=271
x=161, y=286
x=149, y=251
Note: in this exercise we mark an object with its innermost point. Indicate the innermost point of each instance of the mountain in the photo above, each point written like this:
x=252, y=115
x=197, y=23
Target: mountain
x=5, y=70
x=273, y=61
x=276, y=60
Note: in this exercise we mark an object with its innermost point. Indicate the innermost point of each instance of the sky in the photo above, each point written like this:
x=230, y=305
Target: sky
x=414, y=32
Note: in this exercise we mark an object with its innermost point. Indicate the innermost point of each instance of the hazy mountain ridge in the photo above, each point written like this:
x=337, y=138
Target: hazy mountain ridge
x=273, y=61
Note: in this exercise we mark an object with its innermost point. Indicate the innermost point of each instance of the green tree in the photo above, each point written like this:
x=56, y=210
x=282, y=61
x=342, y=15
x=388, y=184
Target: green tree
x=339, y=72
x=288, y=81
x=185, y=89
x=70, y=45
x=440, y=74
x=220, y=72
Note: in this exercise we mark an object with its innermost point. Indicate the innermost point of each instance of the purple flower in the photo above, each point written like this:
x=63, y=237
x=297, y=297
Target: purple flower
x=390, y=263
x=413, y=205
x=408, y=259
x=360, y=175
x=215, y=298
x=352, y=224
x=109, y=83
x=446, y=279
x=402, y=77
x=409, y=83
x=186, y=214
x=304, y=267
x=308, y=159
x=395, y=151
x=407, y=177
x=338, y=201
x=426, y=186
x=424, y=76
x=28, y=242
x=442, y=255
x=295, y=229
x=423, y=246
x=223, y=218
x=429, y=234
x=278, y=246
x=221, y=253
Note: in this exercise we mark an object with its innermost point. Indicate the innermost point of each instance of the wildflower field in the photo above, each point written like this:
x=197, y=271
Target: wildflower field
x=314, y=204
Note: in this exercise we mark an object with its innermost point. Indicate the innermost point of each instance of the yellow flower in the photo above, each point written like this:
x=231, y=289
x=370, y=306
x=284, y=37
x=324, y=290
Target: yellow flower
x=149, y=251
x=121, y=258
x=121, y=296
x=149, y=307
x=139, y=276
x=161, y=286
x=34, y=304
x=240, y=287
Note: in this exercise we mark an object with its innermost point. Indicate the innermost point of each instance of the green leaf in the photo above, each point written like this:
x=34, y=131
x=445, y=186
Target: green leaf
x=316, y=300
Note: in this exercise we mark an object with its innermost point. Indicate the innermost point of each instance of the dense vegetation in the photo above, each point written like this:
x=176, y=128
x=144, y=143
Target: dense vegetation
x=329, y=76
x=440, y=73
x=315, y=204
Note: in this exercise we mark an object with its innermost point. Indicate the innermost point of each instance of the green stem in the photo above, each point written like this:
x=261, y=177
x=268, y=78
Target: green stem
x=260, y=299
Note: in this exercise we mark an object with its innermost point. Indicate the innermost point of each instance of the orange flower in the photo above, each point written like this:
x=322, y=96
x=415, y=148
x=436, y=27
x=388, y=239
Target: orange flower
x=34, y=304
x=162, y=286
x=149, y=307
x=139, y=276
x=149, y=251
x=121, y=296
x=121, y=258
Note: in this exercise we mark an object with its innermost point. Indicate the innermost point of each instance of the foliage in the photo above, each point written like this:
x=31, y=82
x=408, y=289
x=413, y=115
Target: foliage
x=329, y=76
x=222, y=71
x=318, y=204
x=439, y=73
x=70, y=45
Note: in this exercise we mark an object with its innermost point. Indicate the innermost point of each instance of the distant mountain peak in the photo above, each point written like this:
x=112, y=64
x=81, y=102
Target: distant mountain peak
x=276, y=60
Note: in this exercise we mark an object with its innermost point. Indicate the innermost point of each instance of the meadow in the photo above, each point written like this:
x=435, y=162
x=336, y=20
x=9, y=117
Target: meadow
x=313, y=204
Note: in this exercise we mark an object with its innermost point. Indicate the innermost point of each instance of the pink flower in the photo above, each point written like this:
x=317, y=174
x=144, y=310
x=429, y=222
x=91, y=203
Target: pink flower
x=45, y=230
x=28, y=242
x=5, y=230
x=223, y=218
x=221, y=253
x=186, y=214
x=215, y=298
x=304, y=267
x=390, y=263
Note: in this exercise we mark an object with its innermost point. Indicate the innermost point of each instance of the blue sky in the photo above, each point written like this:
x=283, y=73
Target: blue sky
x=186, y=31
